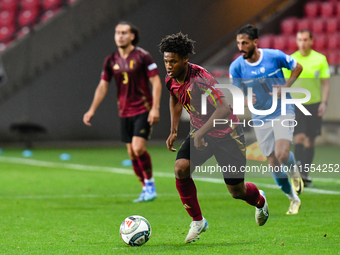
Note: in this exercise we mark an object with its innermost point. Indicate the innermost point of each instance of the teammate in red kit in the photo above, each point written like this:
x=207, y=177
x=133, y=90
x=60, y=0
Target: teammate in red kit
x=132, y=68
x=186, y=83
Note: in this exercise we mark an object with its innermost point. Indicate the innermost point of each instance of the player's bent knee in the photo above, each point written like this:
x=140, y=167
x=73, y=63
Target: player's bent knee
x=182, y=169
x=282, y=156
x=139, y=151
x=237, y=194
x=299, y=138
x=309, y=143
x=236, y=187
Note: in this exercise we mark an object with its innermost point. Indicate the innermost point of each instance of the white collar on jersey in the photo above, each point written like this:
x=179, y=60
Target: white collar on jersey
x=258, y=61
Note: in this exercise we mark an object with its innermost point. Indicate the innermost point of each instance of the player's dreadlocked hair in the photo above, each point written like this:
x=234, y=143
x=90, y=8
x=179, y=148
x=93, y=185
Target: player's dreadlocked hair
x=177, y=43
x=250, y=30
x=133, y=30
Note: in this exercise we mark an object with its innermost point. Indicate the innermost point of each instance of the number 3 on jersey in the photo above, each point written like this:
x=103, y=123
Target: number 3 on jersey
x=126, y=77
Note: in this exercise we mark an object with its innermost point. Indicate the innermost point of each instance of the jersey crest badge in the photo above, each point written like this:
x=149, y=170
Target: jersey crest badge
x=132, y=63
x=116, y=67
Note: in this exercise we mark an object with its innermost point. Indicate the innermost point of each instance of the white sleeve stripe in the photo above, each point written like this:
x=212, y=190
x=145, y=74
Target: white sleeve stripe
x=152, y=66
x=294, y=64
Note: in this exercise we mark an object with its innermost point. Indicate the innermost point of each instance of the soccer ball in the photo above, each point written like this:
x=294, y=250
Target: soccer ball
x=135, y=230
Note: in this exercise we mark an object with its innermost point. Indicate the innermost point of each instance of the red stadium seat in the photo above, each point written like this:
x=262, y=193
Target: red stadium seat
x=333, y=42
x=236, y=55
x=280, y=42
x=4, y=45
x=27, y=18
x=217, y=73
x=323, y=52
x=266, y=41
x=7, y=18
x=337, y=8
x=320, y=42
x=289, y=51
x=23, y=31
x=305, y=23
x=6, y=33
x=312, y=9
x=332, y=25
x=9, y=5
x=333, y=57
x=327, y=9
x=51, y=4
x=32, y=5
x=49, y=14
x=226, y=73
x=291, y=43
x=318, y=26
x=288, y=26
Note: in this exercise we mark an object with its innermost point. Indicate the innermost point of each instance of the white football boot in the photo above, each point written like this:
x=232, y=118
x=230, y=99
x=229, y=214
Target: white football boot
x=262, y=214
x=196, y=228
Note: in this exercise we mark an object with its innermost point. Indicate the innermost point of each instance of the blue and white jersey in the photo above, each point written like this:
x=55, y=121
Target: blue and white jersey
x=261, y=76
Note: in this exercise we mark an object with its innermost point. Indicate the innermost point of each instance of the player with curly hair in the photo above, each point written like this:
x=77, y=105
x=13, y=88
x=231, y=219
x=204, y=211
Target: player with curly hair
x=187, y=83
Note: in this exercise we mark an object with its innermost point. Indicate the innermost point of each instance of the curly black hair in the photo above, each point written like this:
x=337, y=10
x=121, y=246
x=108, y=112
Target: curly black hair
x=177, y=43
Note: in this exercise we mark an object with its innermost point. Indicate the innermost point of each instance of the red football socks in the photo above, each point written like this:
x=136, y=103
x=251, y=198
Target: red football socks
x=188, y=193
x=253, y=196
x=145, y=162
x=138, y=171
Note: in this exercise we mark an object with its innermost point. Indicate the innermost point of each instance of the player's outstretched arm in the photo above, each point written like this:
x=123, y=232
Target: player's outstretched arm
x=221, y=112
x=175, y=114
x=99, y=95
x=153, y=117
x=325, y=89
x=293, y=76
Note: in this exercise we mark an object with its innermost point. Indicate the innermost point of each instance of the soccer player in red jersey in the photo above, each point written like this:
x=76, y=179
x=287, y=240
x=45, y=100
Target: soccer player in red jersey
x=132, y=68
x=186, y=83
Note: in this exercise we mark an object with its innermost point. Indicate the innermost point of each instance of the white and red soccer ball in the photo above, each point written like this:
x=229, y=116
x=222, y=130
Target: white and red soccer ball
x=135, y=230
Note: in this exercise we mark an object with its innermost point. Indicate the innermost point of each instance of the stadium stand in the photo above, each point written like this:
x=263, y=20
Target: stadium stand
x=279, y=32
x=323, y=19
x=312, y=9
x=18, y=17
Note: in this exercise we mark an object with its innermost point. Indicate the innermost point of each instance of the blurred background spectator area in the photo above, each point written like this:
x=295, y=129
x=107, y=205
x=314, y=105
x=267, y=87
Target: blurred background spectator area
x=18, y=17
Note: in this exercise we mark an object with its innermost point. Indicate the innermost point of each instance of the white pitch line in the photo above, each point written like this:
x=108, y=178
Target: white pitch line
x=326, y=180
x=31, y=197
x=80, y=167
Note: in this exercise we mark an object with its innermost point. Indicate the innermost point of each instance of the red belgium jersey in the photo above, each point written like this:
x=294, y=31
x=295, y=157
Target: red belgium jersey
x=199, y=81
x=132, y=80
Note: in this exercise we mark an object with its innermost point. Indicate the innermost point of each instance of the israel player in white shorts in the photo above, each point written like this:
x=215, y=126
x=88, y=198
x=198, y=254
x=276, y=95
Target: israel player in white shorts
x=260, y=69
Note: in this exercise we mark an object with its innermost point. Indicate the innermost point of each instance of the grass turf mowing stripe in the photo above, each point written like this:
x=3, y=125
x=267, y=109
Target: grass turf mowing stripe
x=80, y=167
x=41, y=197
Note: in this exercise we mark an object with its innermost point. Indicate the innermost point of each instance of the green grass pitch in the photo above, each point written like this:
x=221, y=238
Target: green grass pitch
x=49, y=206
